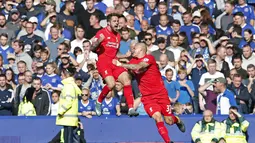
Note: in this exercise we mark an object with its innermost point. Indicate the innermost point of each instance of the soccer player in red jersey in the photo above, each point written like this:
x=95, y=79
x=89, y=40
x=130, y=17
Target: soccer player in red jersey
x=106, y=43
x=154, y=95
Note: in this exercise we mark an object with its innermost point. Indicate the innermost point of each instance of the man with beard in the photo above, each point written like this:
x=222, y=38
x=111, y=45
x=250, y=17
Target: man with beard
x=4, y=29
x=67, y=19
x=30, y=9
x=106, y=43
x=14, y=22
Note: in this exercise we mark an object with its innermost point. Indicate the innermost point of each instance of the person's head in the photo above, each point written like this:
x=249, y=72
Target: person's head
x=63, y=48
x=55, y=96
x=232, y=73
x=204, y=28
x=169, y=74
x=37, y=51
x=148, y=39
x=29, y=28
x=85, y=94
x=50, y=5
x=152, y=4
x=189, y=107
x=96, y=74
x=132, y=46
x=178, y=108
x=2, y=20
x=77, y=51
x=251, y=70
x=90, y=4
x=239, y=18
x=68, y=72
x=2, y=81
x=18, y=46
x=119, y=8
x=3, y=39
x=211, y=66
x=118, y=86
x=140, y=50
x=182, y=73
x=247, y=51
x=37, y=83
x=219, y=85
x=152, y=31
x=174, y=38
x=232, y=115
x=208, y=116
x=9, y=75
x=203, y=43
x=54, y=32
x=139, y=9
x=130, y=20
x=44, y=55
x=182, y=38
x=221, y=52
x=196, y=43
x=248, y=36
x=94, y=19
x=241, y=2
x=69, y=6
x=15, y=15
x=230, y=49
x=21, y=78
x=205, y=15
x=229, y=7
x=8, y=7
x=162, y=8
x=51, y=68
x=29, y=4
x=125, y=34
x=122, y=22
x=113, y=21
x=183, y=58
x=237, y=31
x=163, y=20
x=86, y=45
x=22, y=66
x=161, y=43
x=176, y=25
x=144, y=25
x=109, y=10
x=187, y=17
x=163, y=60
x=199, y=62
x=126, y=4
x=28, y=77
x=237, y=61
x=237, y=80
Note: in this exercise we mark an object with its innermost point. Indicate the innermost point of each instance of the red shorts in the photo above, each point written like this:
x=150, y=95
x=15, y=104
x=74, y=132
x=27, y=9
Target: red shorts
x=106, y=68
x=157, y=103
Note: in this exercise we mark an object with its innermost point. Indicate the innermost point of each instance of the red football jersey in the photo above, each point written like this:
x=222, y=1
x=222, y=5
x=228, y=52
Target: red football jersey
x=109, y=47
x=149, y=80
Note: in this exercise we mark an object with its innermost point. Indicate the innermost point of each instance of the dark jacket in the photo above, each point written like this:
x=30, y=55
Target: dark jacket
x=243, y=95
x=57, y=138
x=5, y=107
x=16, y=100
x=225, y=69
x=41, y=101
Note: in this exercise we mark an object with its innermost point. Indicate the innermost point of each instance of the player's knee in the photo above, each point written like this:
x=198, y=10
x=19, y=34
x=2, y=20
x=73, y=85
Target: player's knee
x=125, y=79
x=169, y=120
x=157, y=117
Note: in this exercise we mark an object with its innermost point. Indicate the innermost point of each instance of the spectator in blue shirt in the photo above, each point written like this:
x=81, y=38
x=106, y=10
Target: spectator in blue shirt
x=111, y=105
x=5, y=49
x=125, y=41
x=86, y=106
x=247, y=39
x=163, y=28
x=172, y=87
x=247, y=10
x=150, y=8
x=100, y=5
x=239, y=19
x=139, y=17
x=186, y=88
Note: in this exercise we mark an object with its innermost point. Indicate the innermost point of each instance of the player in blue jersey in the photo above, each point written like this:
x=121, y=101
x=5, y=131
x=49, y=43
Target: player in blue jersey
x=5, y=49
x=51, y=81
x=86, y=106
x=247, y=10
x=111, y=105
x=163, y=28
x=188, y=27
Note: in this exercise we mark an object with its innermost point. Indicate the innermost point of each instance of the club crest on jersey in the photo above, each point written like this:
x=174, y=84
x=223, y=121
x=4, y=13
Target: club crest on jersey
x=246, y=9
x=54, y=80
x=192, y=30
x=89, y=108
x=145, y=59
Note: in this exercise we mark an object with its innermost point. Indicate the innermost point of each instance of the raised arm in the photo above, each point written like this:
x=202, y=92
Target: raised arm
x=96, y=41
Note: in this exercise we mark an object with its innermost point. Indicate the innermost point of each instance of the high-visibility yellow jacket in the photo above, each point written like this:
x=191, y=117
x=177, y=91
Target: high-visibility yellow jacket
x=26, y=108
x=68, y=104
x=234, y=132
x=206, y=132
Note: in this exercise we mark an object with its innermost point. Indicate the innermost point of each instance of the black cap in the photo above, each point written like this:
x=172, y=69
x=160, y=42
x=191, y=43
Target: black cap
x=161, y=40
x=238, y=14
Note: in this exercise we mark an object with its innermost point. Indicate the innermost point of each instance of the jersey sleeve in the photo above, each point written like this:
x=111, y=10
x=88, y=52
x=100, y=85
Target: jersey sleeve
x=59, y=83
x=79, y=106
x=149, y=59
x=100, y=32
x=177, y=86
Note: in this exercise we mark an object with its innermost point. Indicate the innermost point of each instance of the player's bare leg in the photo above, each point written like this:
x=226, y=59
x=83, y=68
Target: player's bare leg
x=170, y=120
x=161, y=126
x=124, y=78
x=110, y=83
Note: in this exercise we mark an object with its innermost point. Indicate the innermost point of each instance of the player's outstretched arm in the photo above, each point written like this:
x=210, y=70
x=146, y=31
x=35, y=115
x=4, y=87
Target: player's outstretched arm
x=96, y=42
x=138, y=66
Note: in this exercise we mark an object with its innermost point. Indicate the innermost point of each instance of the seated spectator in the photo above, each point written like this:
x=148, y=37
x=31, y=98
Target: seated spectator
x=225, y=98
x=174, y=38
x=55, y=102
x=94, y=25
x=172, y=87
x=37, y=53
x=77, y=51
x=248, y=56
x=118, y=92
x=164, y=64
x=178, y=108
x=148, y=41
x=237, y=62
x=125, y=43
x=207, y=130
x=86, y=105
x=5, y=49
x=95, y=84
x=231, y=76
x=184, y=61
x=40, y=70
x=40, y=98
x=247, y=40
x=5, y=97
x=186, y=88
x=11, y=62
x=188, y=108
x=163, y=28
x=78, y=42
x=222, y=65
x=45, y=57
x=10, y=78
x=229, y=54
x=242, y=95
x=235, y=127
x=111, y=105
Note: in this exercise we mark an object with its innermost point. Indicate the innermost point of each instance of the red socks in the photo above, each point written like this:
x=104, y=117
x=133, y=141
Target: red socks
x=102, y=95
x=163, y=131
x=128, y=93
x=175, y=120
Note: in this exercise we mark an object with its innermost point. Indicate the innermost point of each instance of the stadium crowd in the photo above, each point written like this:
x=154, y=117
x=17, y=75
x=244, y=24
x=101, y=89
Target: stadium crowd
x=203, y=48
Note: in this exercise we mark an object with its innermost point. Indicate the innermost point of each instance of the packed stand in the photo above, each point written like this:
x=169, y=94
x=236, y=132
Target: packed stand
x=204, y=51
